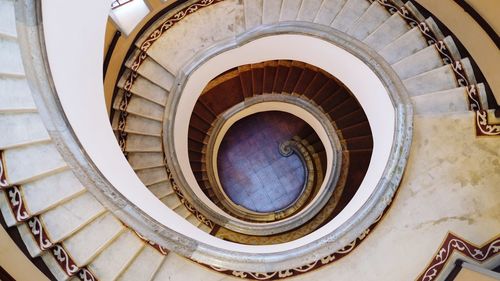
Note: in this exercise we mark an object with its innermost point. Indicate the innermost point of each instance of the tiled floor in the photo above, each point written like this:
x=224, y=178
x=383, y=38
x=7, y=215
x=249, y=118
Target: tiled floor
x=252, y=171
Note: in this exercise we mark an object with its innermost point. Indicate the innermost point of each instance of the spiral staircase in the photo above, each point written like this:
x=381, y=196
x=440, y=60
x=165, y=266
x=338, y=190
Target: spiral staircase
x=450, y=182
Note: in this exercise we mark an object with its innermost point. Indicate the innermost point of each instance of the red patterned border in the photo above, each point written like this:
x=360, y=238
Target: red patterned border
x=336, y=256
x=164, y=251
x=453, y=243
x=16, y=203
x=3, y=177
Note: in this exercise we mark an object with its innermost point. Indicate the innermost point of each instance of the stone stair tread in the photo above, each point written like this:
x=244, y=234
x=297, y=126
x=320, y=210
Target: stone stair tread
x=117, y=256
x=15, y=95
x=182, y=211
x=152, y=175
x=7, y=18
x=417, y=63
x=439, y=79
x=144, y=265
x=27, y=163
x=386, y=33
x=349, y=14
x=328, y=11
x=23, y=128
x=171, y=201
x=452, y=100
x=373, y=17
x=67, y=218
x=139, y=143
x=404, y=46
x=10, y=56
x=253, y=13
x=161, y=190
x=309, y=10
x=153, y=71
x=271, y=11
x=142, y=107
x=290, y=10
x=47, y=192
x=139, y=125
x=142, y=160
x=89, y=241
x=147, y=90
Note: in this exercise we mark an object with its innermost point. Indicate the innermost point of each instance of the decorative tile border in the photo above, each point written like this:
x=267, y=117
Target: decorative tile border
x=484, y=126
x=3, y=173
x=16, y=203
x=336, y=256
x=453, y=243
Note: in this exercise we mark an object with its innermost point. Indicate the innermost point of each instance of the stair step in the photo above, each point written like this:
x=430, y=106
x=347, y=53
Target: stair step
x=146, y=89
x=386, y=33
x=305, y=79
x=139, y=143
x=117, y=256
x=328, y=11
x=271, y=11
x=69, y=217
x=439, y=79
x=54, y=267
x=7, y=18
x=373, y=17
x=139, y=125
x=154, y=72
x=10, y=56
x=182, y=211
x=453, y=100
x=420, y=62
x=328, y=89
x=253, y=13
x=257, y=78
x=270, y=71
x=404, y=46
x=315, y=86
x=22, y=128
x=359, y=143
x=351, y=119
x=152, y=175
x=294, y=73
x=349, y=14
x=89, y=241
x=171, y=201
x=144, y=265
x=358, y=130
x=47, y=192
x=15, y=95
x=162, y=189
x=281, y=75
x=143, y=160
x=309, y=10
x=27, y=163
x=290, y=9
x=141, y=107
